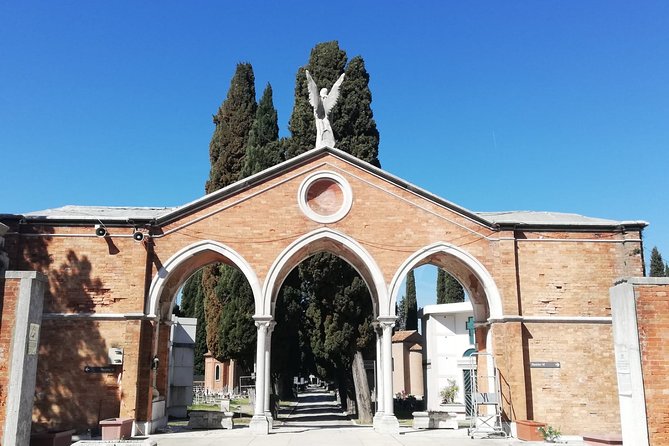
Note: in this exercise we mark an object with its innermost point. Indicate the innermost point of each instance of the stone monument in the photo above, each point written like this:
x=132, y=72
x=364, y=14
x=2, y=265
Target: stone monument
x=323, y=103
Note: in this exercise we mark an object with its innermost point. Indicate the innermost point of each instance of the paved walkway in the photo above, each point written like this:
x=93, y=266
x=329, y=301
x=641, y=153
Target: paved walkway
x=317, y=419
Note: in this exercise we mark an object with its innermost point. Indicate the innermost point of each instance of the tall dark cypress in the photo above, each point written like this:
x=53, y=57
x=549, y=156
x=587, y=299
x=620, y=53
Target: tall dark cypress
x=449, y=289
x=355, y=129
x=233, y=124
x=657, y=267
x=227, y=152
x=411, y=302
x=264, y=148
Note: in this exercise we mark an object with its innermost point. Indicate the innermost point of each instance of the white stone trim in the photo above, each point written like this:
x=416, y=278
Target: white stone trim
x=96, y=316
x=489, y=287
x=552, y=319
x=158, y=282
x=345, y=188
x=287, y=260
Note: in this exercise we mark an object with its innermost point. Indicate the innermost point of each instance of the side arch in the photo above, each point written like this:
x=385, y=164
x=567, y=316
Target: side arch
x=337, y=243
x=182, y=264
x=471, y=273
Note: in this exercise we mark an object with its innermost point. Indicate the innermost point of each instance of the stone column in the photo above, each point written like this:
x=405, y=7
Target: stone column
x=388, y=422
x=379, y=373
x=259, y=423
x=268, y=377
x=21, y=301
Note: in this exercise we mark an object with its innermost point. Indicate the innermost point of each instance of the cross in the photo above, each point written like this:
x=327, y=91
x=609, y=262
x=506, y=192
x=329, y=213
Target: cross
x=470, y=328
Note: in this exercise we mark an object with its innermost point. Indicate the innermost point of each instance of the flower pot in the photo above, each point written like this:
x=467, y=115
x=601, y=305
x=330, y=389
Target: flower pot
x=528, y=430
x=116, y=428
x=55, y=438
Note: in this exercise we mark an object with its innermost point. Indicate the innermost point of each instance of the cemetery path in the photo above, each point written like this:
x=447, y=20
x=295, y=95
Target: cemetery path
x=315, y=409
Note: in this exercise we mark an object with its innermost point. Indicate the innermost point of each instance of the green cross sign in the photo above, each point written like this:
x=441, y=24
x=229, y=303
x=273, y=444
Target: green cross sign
x=470, y=327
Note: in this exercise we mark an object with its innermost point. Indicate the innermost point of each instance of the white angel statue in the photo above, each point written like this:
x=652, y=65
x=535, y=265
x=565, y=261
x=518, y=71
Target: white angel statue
x=323, y=104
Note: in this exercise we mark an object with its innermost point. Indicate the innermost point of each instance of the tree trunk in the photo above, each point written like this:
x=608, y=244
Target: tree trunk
x=362, y=395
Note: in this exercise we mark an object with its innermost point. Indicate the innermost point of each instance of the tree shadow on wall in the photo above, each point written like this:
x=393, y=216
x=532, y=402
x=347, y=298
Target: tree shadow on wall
x=66, y=396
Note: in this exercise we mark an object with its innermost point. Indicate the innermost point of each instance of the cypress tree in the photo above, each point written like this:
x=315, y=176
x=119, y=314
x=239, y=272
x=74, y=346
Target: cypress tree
x=227, y=152
x=401, y=311
x=355, y=129
x=657, y=267
x=441, y=286
x=411, y=303
x=233, y=123
x=264, y=148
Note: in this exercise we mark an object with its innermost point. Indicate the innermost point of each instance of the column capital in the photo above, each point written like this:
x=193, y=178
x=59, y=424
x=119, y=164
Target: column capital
x=264, y=322
x=387, y=321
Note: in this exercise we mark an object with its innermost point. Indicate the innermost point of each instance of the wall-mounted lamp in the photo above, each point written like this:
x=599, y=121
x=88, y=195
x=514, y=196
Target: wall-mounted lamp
x=138, y=235
x=101, y=231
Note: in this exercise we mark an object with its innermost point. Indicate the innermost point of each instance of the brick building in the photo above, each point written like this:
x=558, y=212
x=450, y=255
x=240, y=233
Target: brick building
x=538, y=283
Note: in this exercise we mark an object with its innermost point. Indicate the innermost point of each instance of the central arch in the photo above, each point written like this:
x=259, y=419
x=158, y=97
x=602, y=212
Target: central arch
x=337, y=243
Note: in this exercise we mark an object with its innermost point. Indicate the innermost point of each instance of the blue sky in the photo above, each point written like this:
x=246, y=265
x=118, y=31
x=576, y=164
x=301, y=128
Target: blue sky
x=553, y=105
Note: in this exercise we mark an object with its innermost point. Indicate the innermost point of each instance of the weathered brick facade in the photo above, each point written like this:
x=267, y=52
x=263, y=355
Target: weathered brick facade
x=653, y=321
x=7, y=308
x=552, y=281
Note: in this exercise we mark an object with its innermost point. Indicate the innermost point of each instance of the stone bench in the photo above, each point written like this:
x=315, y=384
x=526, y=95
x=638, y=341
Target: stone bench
x=210, y=419
x=596, y=439
x=446, y=418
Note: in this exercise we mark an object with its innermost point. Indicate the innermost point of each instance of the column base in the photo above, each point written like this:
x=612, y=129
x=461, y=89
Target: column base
x=270, y=419
x=386, y=424
x=259, y=425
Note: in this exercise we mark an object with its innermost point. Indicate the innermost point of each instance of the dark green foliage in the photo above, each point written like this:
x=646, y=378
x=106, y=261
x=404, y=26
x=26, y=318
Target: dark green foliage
x=233, y=124
x=264, y=148
x=657, y=267
x=401, y=311
x=449, y=289
x=355, y=129
x=666, y=269
x=411, y=303
x=351, y=119
x=236, y=329
x=441, y=286
x=192, y=305
x=338, y=313
x=290, y=356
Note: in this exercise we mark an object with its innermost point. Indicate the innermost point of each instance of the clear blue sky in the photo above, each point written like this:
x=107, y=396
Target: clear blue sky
x=552, y=105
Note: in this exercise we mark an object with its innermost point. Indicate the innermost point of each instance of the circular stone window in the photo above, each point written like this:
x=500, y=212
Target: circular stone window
x=325, y=197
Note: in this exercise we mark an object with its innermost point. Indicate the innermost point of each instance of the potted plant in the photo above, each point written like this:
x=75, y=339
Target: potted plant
x=449, y=392
x=550, y=434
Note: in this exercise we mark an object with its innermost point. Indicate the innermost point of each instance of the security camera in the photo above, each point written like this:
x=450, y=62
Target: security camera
x=101, y=231
x=138, y=236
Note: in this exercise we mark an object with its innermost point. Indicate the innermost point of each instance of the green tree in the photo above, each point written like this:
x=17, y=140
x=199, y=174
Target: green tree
x=657, y=267
x=233, y=123
x=401, y=311
x=264, y=149
x=449, y=289
x=192, y=305
x=355, y=129
x=411, y=303
x=227, y=153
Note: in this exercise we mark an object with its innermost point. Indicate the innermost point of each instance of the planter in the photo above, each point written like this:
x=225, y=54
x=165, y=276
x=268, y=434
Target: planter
x=528, y=430
x=58, y=438
x=116, y=428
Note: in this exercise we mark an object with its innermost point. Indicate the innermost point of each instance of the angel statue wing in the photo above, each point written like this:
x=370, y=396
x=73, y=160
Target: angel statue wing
x=313, y=91
x=332, y=97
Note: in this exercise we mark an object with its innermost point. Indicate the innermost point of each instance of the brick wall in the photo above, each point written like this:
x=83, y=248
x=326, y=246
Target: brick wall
x=652, y=308
x=581, y=395
x=563, y=277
